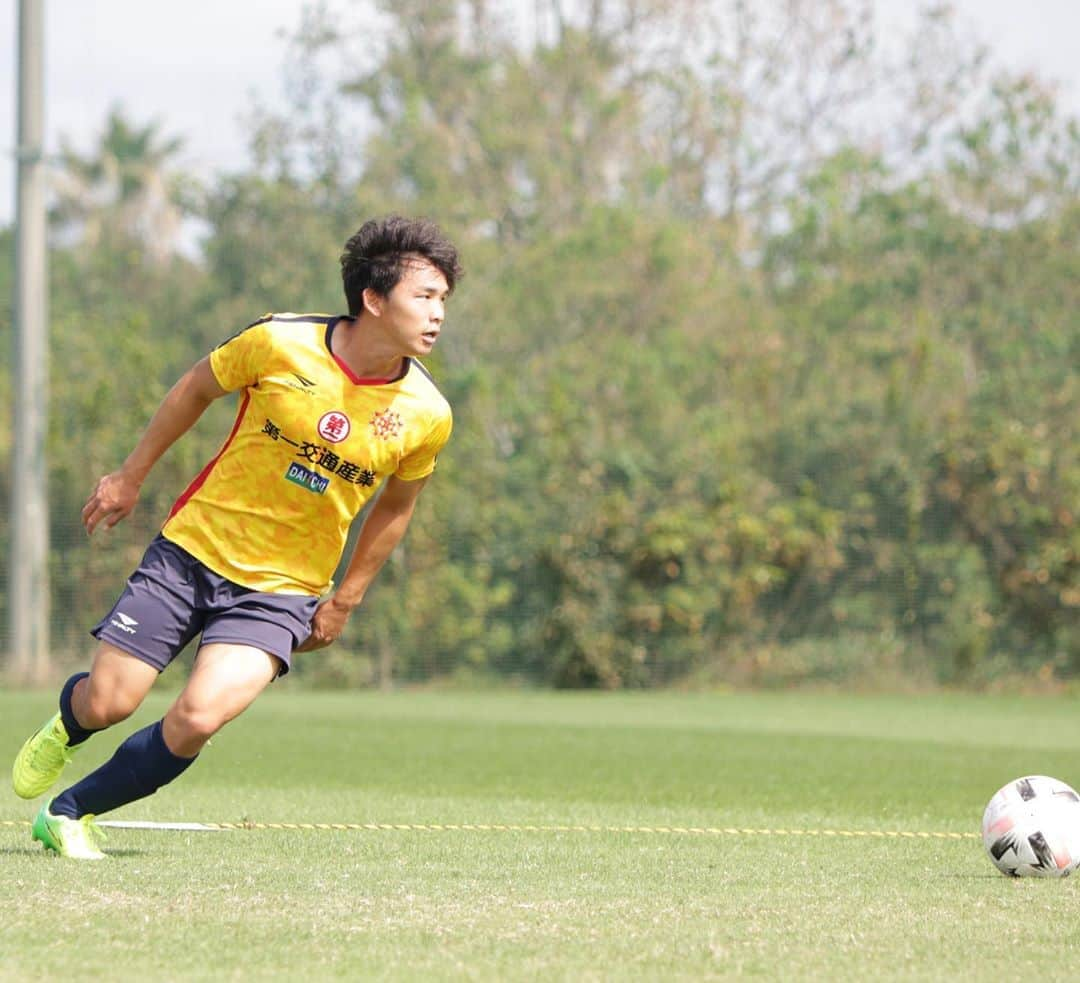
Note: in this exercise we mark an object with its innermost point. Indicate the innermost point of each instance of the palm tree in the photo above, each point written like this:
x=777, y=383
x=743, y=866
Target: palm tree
x=124, y=187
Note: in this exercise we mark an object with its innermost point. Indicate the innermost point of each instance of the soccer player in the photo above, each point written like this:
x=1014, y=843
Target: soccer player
x=331, y=410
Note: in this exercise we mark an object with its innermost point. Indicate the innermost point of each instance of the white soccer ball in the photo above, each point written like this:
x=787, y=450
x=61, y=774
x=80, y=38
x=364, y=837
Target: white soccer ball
x=1031, y=828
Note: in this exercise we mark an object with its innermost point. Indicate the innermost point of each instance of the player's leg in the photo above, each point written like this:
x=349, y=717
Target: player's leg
x=224, y=682
x=152, y=621
x=247, y=641
x=89, y=702
x=113, y=689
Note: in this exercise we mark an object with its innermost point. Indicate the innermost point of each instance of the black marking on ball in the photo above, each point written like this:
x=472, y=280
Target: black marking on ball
x=1027, y=793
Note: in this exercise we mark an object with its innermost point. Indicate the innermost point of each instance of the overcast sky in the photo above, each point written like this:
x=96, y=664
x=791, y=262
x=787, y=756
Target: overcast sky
x=195, y=66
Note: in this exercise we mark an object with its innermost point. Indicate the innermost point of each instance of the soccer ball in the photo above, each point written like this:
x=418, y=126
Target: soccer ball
x=1031, y=828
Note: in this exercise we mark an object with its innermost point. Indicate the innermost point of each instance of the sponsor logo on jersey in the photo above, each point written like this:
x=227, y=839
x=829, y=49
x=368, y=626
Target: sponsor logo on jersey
x=299, y=475
x=323, y=457
x=334, y=426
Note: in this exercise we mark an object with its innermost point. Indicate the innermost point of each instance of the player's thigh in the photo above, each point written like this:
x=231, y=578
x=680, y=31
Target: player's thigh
x=117, y=685
x=224, y=682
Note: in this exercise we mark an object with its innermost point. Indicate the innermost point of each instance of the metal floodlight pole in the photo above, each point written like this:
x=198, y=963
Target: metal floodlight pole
x=28, y=581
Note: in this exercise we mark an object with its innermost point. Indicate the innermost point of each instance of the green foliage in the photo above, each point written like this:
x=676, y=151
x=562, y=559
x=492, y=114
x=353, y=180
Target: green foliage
x=722, y=412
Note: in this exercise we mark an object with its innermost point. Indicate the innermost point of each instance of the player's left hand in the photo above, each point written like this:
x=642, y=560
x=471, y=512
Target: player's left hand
x=326, y=625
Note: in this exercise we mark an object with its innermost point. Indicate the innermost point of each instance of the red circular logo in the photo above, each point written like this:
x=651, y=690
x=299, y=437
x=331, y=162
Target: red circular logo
x=334, y=427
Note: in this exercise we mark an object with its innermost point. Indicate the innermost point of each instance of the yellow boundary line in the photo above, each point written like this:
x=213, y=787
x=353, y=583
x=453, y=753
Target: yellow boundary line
x=513, y=828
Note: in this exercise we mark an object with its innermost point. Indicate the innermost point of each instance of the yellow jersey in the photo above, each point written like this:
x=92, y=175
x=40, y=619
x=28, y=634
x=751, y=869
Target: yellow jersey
x=311, y=444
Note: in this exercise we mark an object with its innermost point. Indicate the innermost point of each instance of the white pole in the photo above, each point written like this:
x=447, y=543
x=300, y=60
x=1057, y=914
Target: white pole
x=28, y=583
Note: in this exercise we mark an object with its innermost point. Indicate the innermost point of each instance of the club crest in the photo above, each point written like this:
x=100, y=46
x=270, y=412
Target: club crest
x=387, y=424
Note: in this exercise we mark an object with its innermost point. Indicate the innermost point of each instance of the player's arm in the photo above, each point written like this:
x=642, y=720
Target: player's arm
x=116, y=494
x=382, y=530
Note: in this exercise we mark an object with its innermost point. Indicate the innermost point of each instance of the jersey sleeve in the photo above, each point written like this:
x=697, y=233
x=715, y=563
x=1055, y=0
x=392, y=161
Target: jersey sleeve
x=420, y=461
x=238, y=362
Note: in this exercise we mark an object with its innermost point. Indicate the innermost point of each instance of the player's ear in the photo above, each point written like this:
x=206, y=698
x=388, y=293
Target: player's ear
x=373, y=301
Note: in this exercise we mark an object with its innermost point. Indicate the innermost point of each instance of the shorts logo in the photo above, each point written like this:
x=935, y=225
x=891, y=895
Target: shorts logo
x=299, y=475
x=124, y=623
x=334, y=427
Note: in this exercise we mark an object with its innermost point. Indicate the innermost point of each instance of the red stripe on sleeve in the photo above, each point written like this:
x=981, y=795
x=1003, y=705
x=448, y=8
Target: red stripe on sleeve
x=201, y=477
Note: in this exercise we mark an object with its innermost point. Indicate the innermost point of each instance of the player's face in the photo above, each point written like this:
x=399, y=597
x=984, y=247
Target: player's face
x=414, y=310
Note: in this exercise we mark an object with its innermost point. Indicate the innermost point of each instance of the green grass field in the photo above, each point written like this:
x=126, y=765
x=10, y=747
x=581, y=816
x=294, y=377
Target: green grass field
x=661, y=902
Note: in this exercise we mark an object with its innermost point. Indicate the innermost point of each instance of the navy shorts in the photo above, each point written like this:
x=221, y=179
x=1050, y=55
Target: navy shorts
x=172, y=597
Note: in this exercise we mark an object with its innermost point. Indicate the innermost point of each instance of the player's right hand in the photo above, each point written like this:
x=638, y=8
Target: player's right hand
x=112, y=500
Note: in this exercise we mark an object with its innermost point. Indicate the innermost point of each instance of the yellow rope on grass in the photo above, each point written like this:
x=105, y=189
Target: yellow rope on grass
x=539, y=828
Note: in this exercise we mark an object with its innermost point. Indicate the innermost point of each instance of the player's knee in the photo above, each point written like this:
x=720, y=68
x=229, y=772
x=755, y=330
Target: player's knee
x=103, y=708
x=193, y=725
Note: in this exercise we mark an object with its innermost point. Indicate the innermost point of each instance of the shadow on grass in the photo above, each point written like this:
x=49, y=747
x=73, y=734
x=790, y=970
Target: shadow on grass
x=990, y=876
x=35, y=850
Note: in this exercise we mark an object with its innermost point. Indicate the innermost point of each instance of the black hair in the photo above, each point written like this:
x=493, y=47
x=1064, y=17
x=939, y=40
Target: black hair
x=377, y=255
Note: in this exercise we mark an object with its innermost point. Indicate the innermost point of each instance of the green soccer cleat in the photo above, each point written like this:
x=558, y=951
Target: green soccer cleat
x=75, y=838
x=42, y=758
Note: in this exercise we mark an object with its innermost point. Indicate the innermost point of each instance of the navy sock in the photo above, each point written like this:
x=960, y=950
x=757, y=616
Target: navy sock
x=75, y=731
x=140, y=766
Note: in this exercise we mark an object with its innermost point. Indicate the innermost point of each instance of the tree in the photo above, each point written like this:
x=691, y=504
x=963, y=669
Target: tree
x=125, y=188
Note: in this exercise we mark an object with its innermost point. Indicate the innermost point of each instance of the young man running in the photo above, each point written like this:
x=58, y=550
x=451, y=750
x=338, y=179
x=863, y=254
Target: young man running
x=331, y=410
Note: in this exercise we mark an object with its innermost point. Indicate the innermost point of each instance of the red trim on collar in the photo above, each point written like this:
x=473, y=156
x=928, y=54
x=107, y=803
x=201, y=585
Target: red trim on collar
x=357, y=380
x=366, y=380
